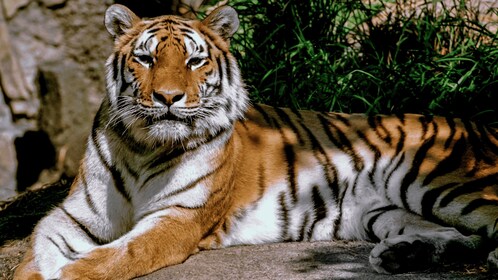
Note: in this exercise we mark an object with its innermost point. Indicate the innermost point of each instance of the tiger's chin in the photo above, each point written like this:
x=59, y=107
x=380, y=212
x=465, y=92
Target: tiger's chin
x=164, y=132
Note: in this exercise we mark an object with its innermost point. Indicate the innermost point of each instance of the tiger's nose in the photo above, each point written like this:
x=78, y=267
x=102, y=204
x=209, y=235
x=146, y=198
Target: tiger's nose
x=167, y=98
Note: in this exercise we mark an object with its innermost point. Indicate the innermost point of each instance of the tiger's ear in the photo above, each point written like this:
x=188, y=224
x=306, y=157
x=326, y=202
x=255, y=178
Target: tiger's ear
x=224, y=21
x=119, y=19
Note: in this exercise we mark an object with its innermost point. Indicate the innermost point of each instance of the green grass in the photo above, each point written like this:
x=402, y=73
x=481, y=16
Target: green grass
x=302, y=54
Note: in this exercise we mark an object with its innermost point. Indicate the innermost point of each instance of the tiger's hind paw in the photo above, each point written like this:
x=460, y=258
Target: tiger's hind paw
x=390, y=256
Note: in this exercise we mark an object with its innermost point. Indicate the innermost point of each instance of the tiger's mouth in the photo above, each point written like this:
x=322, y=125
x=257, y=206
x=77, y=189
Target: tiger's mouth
x=168, y=116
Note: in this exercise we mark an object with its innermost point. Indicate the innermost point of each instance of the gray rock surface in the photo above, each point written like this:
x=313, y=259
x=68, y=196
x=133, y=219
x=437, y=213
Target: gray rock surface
x=52, y=59
x=300, y=260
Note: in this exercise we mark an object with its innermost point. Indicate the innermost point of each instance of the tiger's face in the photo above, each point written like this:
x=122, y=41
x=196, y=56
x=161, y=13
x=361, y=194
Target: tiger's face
x=173, y=79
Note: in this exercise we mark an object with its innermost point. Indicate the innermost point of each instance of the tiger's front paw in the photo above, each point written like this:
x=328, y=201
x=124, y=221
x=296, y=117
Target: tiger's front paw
x=391, y=256
x=100, y=264
x=81, y=270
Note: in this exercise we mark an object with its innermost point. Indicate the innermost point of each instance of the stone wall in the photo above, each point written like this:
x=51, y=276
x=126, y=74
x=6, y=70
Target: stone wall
x=52, y=55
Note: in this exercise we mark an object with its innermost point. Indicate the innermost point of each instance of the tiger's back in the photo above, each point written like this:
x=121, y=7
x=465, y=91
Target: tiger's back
x=323, y=171
x=178, y=161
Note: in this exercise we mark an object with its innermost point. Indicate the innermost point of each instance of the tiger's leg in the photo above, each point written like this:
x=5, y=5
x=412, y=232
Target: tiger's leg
x=55, y=241
x=408, y=242
x=28, y=270
x=155, y=242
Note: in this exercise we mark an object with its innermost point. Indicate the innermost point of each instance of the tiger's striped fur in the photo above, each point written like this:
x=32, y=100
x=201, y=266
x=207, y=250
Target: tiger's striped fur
x=178, y=162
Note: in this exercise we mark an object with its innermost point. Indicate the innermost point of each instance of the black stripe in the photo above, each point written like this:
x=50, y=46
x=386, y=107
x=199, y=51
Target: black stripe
x=355, y=183
x=429, y=201
x=122, y=65
x=67, y=245
x=115, y=66
x=220, y=68
x=401, y=118
x=304, y=224
x=290, y=157
x=452, y=126
x=340, y=118
x=189, y=186
x=67, y=256
x=343, y=143
x=263, y=113
x=128, y=140
x=449, y=163
x=167, y=160
x=492, y=132
x=398, y=165
x=399, y=149
x=377, y=155
x=88, y=196
x=476, y=144
x=83, y=228
x=133, y=173
x=485, y=140
x=153, y=30
x=166, y=157
x=194, y=183
x=424, y=121
x=261, y=180
x=191, y=38
x=296, y=112
x=375, y=123
x=287, y=120
x=118, y=127
x=284, y=216
x=327, y=165
x=115, y=174
x=476, y=204
x=186, y=30
x=212, y=40
x=289, y=153
x=412, y=174
x=469, y=187
x=371, y=222
x=153, y=24
x=401, y=142
x=340, y=199
x=319, y=208
x=228, y=65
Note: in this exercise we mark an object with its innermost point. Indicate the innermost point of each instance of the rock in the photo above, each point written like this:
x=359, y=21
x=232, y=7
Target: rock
x=8, y=161
x=12, y=6
x=13, y=81
x=24, y=108
x=66, y=114
x=42, y=25
x=5, y=114
x=8, y=167
x=53, y=3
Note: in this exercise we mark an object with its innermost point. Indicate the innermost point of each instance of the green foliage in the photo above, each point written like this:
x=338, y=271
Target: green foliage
x=334, y=55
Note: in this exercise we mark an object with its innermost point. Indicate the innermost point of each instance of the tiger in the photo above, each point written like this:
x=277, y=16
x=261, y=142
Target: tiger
x=179, y=160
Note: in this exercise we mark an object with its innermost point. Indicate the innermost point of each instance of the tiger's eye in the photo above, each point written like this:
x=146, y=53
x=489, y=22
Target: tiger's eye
x=145, y=59
x=195, y=62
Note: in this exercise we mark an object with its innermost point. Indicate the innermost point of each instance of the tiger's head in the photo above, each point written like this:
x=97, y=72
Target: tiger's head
x=172, y=79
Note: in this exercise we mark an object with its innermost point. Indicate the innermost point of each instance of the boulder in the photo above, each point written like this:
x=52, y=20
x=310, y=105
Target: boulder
x=66, y=114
